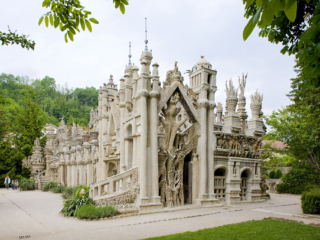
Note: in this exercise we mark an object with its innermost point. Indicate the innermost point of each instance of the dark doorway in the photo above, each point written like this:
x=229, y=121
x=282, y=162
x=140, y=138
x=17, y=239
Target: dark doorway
x=187, y=180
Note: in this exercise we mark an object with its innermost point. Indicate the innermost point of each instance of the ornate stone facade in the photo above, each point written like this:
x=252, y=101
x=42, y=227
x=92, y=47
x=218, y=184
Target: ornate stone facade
x=185, y=149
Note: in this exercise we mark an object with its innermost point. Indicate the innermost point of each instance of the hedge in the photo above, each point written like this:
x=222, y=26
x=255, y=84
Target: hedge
x=310, y=201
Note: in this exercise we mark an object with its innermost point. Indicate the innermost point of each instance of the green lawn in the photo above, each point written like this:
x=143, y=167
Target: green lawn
x=268, y=229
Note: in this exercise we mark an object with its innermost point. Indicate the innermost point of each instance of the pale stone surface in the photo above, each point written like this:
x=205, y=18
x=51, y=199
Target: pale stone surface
x=37, y=214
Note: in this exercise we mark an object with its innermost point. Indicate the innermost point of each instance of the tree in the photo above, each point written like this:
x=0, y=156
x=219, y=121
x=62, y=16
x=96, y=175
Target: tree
x=294, y=23
x=65, y=14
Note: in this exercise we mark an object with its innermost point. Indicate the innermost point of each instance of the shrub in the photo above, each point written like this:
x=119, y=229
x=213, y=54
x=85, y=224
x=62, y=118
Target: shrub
x=271, y=174
x=58, y=189
x=310, y=201
x=78, y=190
x=93, y=212
x=49, y=186
x=278, y=174
x=26, y=184
x=68, y=192
x=74, y=203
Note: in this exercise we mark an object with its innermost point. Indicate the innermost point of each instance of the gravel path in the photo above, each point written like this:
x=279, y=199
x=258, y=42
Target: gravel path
x=36, y=214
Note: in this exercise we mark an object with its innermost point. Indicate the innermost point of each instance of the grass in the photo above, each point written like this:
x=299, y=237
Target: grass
x=263, y=230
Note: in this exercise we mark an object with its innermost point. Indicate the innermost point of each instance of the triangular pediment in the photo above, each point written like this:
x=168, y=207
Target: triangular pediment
x=185, y=100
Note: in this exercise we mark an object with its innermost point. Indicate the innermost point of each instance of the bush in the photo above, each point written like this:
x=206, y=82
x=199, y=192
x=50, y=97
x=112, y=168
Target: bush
x=93, y=212
x=27, y=184
x=58, y=189
x=49, y=186
x=68, y=192
x=278, y=174
x=74, y=203
x=310, y=201
x=78, y=190
x=271, y=174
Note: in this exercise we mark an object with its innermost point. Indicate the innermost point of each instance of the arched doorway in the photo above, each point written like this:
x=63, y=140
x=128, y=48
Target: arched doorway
x=220, y=177
x=187, y=180
x=245, y=175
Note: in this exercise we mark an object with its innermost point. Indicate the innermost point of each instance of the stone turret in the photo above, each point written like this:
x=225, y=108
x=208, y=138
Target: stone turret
x=255, y=124
x=241, y=111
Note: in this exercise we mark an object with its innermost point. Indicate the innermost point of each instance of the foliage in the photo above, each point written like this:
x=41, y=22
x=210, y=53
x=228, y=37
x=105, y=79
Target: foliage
x=278, y=174
x=266, y=229
x=310, y=201
x=55, y=100
x=49, y=186
x=58, y=189
x=69, y=14
x=14, y=38
x=86, y=188
x=74, y=203
x=298, y=179
x=68, y=192
x=26, y=184
x=271, y=174
x=93, y=212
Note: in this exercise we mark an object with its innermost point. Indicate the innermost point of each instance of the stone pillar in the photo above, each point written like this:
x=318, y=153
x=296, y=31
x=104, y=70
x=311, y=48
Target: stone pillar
x=154, y=135
x=203, y=101
x=74, y=174
x=144, y=143
x=122, y=126
x=211, y=106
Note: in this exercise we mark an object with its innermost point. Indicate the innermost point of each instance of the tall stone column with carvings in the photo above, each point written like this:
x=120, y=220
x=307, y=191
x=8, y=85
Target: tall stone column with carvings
x=255, y=124
x=154, y=94
x=231, y=121
x=122, y=130
x=103, y=130
x=241, y=111
x=73, y=163
x=203, y=101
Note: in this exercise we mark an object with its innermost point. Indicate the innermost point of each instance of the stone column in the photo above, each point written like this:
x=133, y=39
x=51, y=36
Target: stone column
x=203, y=101
x=211, y=106
x=122, y=126
x=154, y=135
x=144, y=141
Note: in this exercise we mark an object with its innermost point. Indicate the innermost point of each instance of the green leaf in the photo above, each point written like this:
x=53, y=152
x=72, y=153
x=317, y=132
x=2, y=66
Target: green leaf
x=267, y=17
x=88, y=25
x=258, y=3
x=56, y=22
x=40, y=20
x=249, y=2
x=279, y=5
x=289, y=4
x=93, y=20
x=60, y=26
x=51, y=19
x=64, y=27
x=122, y=8
x=126, y=3
x=257, y=15
x=291, y=12
x=66, y=37
x=72, y=30
x=117, y=3
x=46, y=21
x=83, y=26
x=248, y=29
x=70, y=34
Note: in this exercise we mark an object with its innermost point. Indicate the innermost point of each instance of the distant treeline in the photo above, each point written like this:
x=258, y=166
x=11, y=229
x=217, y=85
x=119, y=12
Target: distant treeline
x=55, y=100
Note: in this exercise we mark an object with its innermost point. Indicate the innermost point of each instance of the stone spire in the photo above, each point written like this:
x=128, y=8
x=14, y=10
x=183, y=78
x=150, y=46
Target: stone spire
x=129, y=54
x=256, y=104
x=232, y=97
x=241, y=111
x=255, y=124
x=146, y=40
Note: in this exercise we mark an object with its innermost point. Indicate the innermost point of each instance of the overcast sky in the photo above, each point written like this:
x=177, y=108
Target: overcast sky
x=180, y=30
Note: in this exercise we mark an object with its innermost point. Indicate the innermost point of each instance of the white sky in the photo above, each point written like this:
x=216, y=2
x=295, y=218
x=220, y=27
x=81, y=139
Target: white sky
x=180, y=30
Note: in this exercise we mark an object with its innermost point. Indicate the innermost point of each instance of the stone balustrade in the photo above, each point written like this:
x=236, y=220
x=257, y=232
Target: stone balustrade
x=113, y=185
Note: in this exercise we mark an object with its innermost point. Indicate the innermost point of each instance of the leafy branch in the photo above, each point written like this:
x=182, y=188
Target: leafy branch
x=69, y=14
x=13, y=38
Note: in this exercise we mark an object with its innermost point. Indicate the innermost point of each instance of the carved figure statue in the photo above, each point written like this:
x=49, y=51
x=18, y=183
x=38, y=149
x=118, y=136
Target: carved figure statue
x=257, y=145
x=169, y=123
x=176, y=70
x=263, y=186
x=235, y=142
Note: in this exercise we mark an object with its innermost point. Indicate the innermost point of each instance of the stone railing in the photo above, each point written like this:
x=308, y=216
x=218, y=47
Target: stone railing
x=114, y=185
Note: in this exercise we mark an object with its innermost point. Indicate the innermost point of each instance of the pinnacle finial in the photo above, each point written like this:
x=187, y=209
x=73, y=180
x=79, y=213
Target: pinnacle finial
x=146, y=41
x=129, y=53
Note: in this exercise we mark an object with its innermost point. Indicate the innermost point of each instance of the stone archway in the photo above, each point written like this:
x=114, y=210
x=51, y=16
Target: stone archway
x=245, y=184
x=220, y=187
